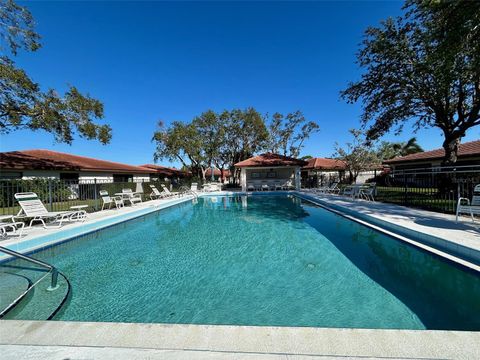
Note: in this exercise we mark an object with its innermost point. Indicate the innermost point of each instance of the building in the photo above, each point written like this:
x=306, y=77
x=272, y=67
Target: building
x=270, y=169
x=468, y=154
x=29, y=164
x=322, y=172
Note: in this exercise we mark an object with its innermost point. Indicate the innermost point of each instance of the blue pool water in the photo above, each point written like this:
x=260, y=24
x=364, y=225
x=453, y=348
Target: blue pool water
x=260, y=260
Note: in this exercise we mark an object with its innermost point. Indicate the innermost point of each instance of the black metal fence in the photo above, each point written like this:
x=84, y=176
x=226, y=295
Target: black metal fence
x=60, y=195
x=436, y=189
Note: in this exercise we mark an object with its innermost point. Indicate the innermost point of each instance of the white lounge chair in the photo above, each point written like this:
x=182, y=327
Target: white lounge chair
x=155, y=194
x=108, y=200
x=32, y=207
x=129, y=195
x=466, y=206
x=8, y=222
x=331, y=189
x=168, y=192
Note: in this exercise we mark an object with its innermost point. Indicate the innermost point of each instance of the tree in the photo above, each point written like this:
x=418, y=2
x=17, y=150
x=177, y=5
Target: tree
x=288, y=133
x=23, y=105
x=425, y=67
x=212, y=139
x=389, y=150
x=181, y=142
x=357, y=155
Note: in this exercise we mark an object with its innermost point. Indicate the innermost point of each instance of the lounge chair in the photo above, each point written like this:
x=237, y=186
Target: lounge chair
x=155, y=194
x=108, y=200
x=265, y=187
x=13, y=225
x=168, y=192
x=466, y=206
x=32, y=207
x=129, y=195
x=250, y=187
x=331, y=189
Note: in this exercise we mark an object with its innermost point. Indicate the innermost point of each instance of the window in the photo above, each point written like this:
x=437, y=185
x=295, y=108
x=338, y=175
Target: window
x=122, y=178
x=10, y=175
x=69, y=176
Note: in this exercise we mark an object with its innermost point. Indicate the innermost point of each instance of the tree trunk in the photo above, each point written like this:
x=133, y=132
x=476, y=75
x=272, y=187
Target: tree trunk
x=450, y=145
x=204, y=171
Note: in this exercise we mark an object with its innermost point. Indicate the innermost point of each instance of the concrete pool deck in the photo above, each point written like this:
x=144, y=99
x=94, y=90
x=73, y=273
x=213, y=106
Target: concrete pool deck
x=83, y=340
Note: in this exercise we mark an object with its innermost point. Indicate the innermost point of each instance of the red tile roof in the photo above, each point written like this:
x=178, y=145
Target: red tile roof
x=325, y=164
x=164, y=170
x=270, y=160
x=217, y=172
x=467, y=149
x=54, y=160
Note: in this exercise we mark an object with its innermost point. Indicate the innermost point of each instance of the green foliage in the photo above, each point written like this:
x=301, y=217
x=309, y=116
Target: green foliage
x=288, y=133
x=211, y=139
x=358, y=154
x=389, y=150
x=23, y=105
x=423, y=67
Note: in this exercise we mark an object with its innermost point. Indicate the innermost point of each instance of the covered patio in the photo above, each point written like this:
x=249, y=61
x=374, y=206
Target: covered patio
x=269, y=172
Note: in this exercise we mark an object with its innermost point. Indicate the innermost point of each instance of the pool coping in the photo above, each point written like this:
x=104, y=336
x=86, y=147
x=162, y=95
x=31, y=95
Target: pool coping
x=306, y=341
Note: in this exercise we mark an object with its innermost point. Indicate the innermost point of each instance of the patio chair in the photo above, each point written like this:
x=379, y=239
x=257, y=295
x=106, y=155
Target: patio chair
x=168, y=192
x=351, y=191
x=129, y=195
x=265, y=187
x=278, y=185
x=466, y=206
x=108, y=200
x=250, y=187
x=32, y=207
x=367, y=193
x=194, y=187
x=155, y=194
x=13, y=225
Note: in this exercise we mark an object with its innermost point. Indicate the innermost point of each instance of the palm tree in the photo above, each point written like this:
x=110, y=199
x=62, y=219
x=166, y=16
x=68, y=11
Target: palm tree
x=410, y=147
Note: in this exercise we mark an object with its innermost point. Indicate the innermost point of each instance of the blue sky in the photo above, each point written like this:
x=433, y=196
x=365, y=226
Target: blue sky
x=151, y=60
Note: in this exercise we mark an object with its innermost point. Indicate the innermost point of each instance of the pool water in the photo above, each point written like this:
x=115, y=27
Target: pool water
x=260, y=260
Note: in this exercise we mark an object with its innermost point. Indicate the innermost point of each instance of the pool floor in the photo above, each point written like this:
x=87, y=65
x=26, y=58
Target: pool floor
x=260, y=260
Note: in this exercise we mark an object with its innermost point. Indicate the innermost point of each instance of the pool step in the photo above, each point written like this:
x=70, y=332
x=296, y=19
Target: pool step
x=12, y=286
x=41, y=303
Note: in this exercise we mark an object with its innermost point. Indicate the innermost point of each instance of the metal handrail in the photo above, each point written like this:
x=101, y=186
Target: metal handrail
x=51, y=268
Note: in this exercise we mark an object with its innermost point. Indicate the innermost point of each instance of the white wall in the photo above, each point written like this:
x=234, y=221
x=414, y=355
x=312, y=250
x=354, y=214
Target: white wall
x=84, y=176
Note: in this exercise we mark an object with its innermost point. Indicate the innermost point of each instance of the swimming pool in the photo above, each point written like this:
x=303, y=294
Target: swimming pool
x=260, y=260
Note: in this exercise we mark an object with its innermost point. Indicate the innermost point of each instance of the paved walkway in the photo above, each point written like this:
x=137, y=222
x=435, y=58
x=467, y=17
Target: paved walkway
x=83, y=340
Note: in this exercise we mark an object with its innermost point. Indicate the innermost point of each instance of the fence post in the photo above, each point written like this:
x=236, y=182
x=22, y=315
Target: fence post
x=95, y=193
x=50, y=198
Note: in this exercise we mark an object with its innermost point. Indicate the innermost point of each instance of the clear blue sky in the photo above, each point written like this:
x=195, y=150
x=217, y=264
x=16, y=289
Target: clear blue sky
x=150, y=60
